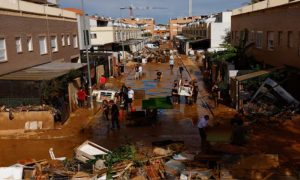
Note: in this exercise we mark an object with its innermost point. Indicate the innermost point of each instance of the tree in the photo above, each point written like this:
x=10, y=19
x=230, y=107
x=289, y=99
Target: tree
x=227, y=38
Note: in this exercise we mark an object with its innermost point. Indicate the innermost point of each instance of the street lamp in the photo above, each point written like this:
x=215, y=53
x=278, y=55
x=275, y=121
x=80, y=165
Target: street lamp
x=90, y=98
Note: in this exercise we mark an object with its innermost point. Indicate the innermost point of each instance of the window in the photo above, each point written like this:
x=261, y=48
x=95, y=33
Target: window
x=75, y=41
x=290, y=39
x=43, y=45
x=93, y=36
x=280, y=36
x=18, y=45
x=2, y=50
x=68, y=40
x=271, y=40
x=54, y=44
x=259, y=39
x=29, y=43
x=63, y=43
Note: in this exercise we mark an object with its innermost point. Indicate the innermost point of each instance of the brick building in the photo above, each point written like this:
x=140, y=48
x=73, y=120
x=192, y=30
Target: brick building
x=273, y=28
x=32, y=34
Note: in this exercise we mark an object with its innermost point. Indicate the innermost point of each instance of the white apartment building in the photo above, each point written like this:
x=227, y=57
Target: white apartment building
x=214, y=28
x=105, y=31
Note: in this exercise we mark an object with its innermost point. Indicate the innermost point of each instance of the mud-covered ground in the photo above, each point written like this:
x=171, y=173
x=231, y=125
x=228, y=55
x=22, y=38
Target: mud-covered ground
x=172, y=124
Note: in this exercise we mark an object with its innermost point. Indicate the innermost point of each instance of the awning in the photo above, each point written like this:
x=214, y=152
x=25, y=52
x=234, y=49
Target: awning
x=256, y=74
x=43, y=72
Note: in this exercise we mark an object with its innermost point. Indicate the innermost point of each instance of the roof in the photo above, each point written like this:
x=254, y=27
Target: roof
x=77, y=11
x=43, y=72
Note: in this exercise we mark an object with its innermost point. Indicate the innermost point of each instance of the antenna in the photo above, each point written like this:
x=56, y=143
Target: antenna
x=190, y=7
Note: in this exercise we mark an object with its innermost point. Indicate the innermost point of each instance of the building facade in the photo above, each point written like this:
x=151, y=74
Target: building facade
x=105, y=31
x=162, y=31
x=145, y=24
x=83, y=24
x=274, y=29
x=32, y=34
x=177, y=24
x=214, y=28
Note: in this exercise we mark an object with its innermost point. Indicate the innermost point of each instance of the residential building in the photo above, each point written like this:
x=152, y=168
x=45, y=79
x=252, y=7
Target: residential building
x=105, y=31
x=274, y=29
x=213, y=28
x=83, y=24
x=177, y=24
x=161, y=31
x=145, y=24
x=32, y=34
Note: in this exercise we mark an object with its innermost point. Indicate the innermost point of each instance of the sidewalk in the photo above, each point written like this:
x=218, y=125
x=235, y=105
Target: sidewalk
x=76, y=122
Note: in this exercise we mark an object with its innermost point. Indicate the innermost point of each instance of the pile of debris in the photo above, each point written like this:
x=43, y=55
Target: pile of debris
x=165, y=160
x=92, y=161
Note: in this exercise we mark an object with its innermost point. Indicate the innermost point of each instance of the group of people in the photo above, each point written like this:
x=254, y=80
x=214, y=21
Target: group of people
x=138, y=68
x=111, y=109
x=126, y=97
x=124, y=100
x=192, y=86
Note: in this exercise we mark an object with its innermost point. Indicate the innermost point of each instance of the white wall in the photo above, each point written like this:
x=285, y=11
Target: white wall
x=104, y=35
x=218, y=32
x=80, y=30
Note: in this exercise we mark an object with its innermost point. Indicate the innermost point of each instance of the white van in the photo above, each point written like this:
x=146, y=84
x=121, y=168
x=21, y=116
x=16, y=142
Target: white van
x=101, y=95
x=152, y=46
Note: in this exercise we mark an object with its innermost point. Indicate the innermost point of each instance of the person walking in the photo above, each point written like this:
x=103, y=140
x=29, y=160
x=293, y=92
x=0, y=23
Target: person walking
x=215, y=94
x=114, y=115
x=202, y=124
x=180, y=66
x=140, y=71
x=171, y=62
x=102, y=81
x=175, y=94
x=137, y=74
x=81, y=96
x=105, y=106
x=195, y=93
x=130, y=98
x=124, y=97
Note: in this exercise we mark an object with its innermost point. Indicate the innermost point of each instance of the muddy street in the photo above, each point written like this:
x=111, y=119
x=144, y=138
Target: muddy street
x=177, y=124
x=173, y=124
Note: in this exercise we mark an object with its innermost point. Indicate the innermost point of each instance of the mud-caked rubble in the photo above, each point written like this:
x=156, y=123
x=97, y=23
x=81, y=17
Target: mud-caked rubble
x=28, y=108
x=164, y=160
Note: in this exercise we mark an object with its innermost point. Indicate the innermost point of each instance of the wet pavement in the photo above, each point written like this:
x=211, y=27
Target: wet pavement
x=173, y=124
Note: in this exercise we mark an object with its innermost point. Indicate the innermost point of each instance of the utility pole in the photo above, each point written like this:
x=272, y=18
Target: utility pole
x=90, y=99
x=190, y=8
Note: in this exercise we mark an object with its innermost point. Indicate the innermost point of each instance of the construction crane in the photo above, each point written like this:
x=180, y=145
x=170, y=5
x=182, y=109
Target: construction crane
x=131, y=8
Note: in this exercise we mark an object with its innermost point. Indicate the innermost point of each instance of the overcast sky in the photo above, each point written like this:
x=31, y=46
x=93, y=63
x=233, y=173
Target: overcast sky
x=174, y=8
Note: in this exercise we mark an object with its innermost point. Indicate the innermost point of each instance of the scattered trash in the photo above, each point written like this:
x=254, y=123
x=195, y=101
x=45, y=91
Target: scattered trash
x=174, y=167
x=89, y=150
